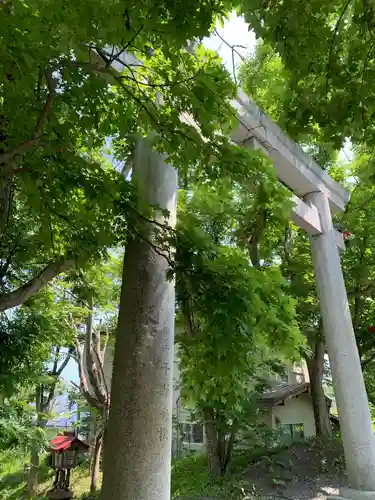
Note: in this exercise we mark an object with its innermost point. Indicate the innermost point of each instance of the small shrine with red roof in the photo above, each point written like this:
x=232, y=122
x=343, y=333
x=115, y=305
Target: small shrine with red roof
x=64, y=450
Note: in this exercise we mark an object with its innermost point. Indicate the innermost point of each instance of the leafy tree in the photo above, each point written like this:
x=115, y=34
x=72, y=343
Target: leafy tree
x=236, y=320
x=327, y=51
x=60, y=203
x=265, y=78
x=56, y=232
x=53, y=217
x=17, y=429
x=28, y=337
x=36, y=338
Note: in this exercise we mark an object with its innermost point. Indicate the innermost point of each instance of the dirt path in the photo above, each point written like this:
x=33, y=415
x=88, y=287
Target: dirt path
x=312, y=470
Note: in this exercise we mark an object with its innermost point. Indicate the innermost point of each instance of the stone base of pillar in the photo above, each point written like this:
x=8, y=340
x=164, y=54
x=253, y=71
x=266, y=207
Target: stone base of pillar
x=349, y=494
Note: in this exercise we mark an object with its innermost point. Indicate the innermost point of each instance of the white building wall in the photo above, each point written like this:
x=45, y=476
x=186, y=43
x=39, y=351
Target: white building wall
x=298, y=372
x=297, y=410
x=294, y=373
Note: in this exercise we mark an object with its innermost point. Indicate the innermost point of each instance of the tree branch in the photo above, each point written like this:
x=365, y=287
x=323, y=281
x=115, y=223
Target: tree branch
x=363, y=292
x=10, y=155
x=335, y=33
x=63, y=365
x=103, y=383
x=56, y=372
x=94, y=401
x=127, y=45
x=56, y=360
x=18, y=297
x=91, y=400
x=47, y=106
x=159, y=85
x=92, y=371
x=234, y=51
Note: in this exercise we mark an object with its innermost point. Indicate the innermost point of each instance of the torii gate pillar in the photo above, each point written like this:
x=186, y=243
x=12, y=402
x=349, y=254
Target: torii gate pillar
x=355, y=419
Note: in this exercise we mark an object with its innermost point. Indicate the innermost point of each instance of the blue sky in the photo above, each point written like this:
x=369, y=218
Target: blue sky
x=71, y=372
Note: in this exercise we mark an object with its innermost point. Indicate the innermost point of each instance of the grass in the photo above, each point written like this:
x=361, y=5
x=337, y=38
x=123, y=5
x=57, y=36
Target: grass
x=13, y=478
x=190, y=479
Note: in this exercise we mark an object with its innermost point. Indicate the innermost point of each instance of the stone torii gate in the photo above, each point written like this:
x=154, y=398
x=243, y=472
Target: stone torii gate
x=318, y=196
x=146, y=423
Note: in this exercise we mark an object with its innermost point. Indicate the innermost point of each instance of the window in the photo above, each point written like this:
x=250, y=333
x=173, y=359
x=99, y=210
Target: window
x=282, y=376
x=197, y=433
x=192, y=433
x=292, y=431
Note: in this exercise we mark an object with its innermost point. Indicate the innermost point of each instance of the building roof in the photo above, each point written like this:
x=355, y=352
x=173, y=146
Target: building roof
x=65, y=441
x=277, y=394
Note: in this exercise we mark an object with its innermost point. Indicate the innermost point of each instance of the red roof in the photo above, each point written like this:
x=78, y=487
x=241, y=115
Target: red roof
x=62, y=443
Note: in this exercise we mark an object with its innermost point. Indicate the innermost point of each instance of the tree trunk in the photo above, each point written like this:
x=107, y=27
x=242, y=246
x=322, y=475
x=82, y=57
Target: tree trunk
x=321, y=411
x=212, y=444
x=32, y=479
x=6, y=185
x=92, y=430
x=95, y=463
x=229, y=445
x=138, y=437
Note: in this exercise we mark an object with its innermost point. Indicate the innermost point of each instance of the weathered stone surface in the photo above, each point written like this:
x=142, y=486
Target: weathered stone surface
x=355, y=418
x=137, y=446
